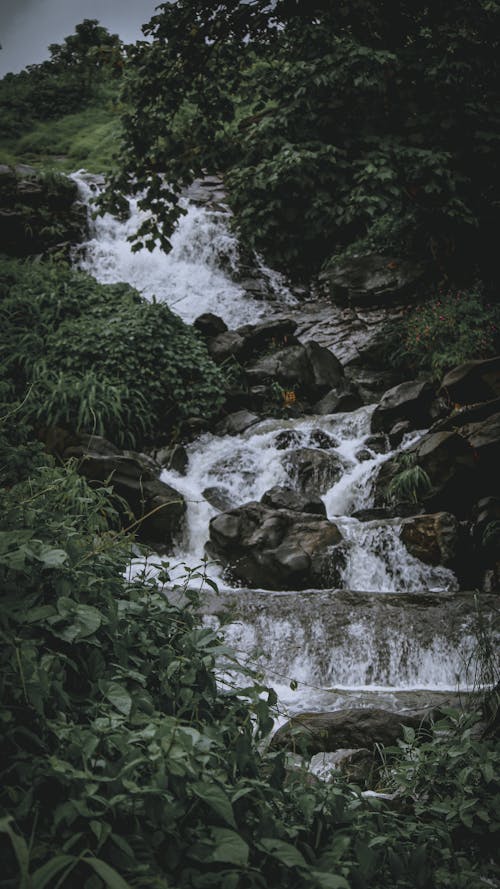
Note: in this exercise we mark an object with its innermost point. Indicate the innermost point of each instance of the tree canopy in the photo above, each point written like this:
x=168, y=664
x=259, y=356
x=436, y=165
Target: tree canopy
x=332, y=122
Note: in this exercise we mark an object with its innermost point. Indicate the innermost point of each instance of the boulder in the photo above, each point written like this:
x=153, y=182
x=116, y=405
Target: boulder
x=159, y=508
x=360, y=728
x=225, y=345
x=410, y=401
x=343, y=398
x=327, y=370
x=209, y=325
x=318, y=438
x=276, y=549
x=236, y=423
x=287, y=438
x=313, y=471
x=473, y=381
x=276, y=333
x=173, y=457
x=38, y=213
x=464, y=416
x=280, y=497
x=312, y=369
x=484, y=439
x=218, y=497
x=372, y=280
x=434, y=539
x=448, y=460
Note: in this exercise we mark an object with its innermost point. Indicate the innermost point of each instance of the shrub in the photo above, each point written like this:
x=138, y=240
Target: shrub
x=99, y=357
x=455, y=327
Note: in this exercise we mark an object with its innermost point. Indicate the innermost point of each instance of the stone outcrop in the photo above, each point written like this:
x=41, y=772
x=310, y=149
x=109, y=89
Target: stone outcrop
x=276, y=549
x=434, y=539
x=372, y=280
x=236, y=423
x=313, y=471
x=280, y=497
x=354, y=729
x=38, y=213
x=472, y=382
x=158, y=508
x=410, y=401
x=344, y=397
x=310, y=368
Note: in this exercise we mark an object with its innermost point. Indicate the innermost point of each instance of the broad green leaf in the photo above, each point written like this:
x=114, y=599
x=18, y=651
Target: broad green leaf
x=217, y=799
x=44, y=875
x=110, y=876
x=20, y=850
x=284, y=852
x=53, y=558
x=330, y=881
x=230, y=847
x=119, y=697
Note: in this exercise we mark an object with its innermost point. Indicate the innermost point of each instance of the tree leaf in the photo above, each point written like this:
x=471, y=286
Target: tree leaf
x=118, y=696
x=216, y=798
x=44, y=875
x=107, y=873
x=230, y=847
x=284, y=852
x=20, y=850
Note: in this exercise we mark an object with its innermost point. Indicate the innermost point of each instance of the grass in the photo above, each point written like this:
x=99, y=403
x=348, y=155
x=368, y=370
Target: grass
x=87, y=139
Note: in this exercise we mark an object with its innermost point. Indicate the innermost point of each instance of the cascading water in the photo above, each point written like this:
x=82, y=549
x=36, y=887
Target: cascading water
x=198, y=275
x=334, y=644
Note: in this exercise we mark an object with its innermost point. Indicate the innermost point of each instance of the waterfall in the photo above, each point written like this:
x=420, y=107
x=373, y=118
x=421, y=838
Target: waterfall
x=198, y=275
x=397, y=624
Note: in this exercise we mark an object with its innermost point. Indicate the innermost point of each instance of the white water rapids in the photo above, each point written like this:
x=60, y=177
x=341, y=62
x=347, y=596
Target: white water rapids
x=379, y=644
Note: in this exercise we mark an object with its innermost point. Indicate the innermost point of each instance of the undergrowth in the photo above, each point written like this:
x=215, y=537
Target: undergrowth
x=99, y=358
x=129, y=757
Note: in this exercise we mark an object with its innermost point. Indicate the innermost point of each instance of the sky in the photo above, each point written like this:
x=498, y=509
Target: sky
x=28, y=26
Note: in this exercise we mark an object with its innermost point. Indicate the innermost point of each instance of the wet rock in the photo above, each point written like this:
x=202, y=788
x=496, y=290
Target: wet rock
x=372, y=280
x=38, y=213
x=434, y=539
x=361, y=728
x=449, y=461
x=288, y=438
x=313, y=471
x=310, y=368
x=363, y=455
x=286, y=498
x=409, y=401
x=236, y=423
x=466, y=415
x=327, y=370
x=473, y=381
x=218, y=497
x=345, y=397
x=209, y=325
x=318, y=438
x=276, y=549
x=225, y=345
x=276, y=333
x=158, y=507
x=377, y=443
x=398, y=432
x=369, y=515
x=484, y=439
x=173, y=457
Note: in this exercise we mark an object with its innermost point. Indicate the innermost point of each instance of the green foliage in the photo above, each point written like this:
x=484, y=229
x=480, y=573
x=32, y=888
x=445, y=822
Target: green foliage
x=130, y=758
x=71, y=78
x=444, y=332
x=410, y=483
x=133, y=369
x=326, y=118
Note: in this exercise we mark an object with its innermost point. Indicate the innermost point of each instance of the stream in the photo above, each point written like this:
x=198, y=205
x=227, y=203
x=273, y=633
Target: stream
x=398, y=633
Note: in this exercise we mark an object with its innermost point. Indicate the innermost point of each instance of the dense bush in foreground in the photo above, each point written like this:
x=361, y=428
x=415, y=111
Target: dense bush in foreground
x=130, y=758
x=99, y=358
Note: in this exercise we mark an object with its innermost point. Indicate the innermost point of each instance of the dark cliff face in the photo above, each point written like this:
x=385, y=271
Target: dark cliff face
x=39, y=212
